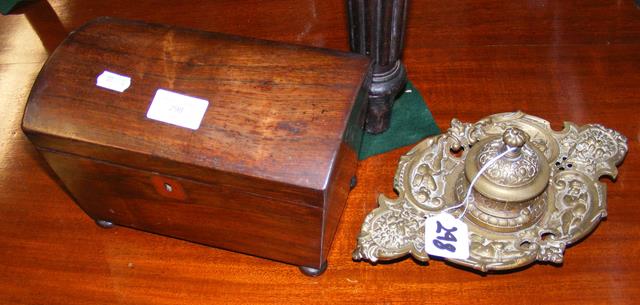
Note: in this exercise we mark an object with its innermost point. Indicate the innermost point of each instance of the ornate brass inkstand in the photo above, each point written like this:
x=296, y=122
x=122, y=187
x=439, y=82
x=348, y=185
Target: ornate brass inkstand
x=527, y=206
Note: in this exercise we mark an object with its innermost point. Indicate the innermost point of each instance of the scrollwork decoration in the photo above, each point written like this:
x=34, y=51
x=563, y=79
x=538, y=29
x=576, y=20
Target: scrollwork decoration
x=428, y=180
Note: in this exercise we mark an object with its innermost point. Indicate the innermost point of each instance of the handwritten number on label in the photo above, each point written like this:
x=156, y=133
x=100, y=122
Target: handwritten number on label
x=177, y=109
x=443, y=246
x=113, y=81
x=448, y=236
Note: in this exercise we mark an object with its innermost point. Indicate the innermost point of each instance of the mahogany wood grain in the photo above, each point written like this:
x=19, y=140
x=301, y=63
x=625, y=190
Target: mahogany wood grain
x=209, y=214
x=276, y=146
x=561, y=60
x=272, y=107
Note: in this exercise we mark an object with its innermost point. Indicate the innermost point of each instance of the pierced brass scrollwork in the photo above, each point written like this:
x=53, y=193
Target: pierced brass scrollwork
x=527, y=207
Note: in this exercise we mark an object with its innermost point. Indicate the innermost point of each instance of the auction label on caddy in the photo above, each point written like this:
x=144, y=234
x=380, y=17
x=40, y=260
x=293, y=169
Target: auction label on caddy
x=177, y=109
x=113, y=81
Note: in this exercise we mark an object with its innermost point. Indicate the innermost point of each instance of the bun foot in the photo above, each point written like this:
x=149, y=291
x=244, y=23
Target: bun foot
x=104, y=224
x=312, y=272
x=353, y=182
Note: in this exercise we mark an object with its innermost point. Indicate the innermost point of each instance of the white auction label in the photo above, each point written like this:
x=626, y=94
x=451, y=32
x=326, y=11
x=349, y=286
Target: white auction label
x=446, y=236
x=113, y=81
x=177, y=109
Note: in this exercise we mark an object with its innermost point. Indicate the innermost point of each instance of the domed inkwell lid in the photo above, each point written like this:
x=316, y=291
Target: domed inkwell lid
x=533, y=191
x=520, y=175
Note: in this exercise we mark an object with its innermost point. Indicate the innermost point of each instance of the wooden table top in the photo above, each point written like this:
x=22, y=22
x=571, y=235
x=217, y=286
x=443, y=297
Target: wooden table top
x=560, y=60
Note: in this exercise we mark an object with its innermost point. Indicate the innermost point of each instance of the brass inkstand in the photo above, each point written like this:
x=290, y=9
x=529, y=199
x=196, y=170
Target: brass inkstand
x=527, y=206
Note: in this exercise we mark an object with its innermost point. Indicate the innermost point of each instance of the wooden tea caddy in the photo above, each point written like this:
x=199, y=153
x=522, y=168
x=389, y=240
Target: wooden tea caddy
x=266, y=173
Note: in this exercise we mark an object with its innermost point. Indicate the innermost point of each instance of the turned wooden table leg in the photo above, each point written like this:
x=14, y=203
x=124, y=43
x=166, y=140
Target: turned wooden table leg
x=376, y=29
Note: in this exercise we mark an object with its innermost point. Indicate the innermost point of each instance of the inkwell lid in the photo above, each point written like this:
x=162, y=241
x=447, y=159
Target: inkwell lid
x=520, y=175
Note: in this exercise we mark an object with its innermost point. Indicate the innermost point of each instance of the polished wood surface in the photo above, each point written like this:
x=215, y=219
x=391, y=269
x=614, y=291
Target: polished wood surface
x=560, y=60
x=272, y=107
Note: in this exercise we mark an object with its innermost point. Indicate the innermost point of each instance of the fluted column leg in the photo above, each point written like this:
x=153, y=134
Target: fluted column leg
x=376, y=29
